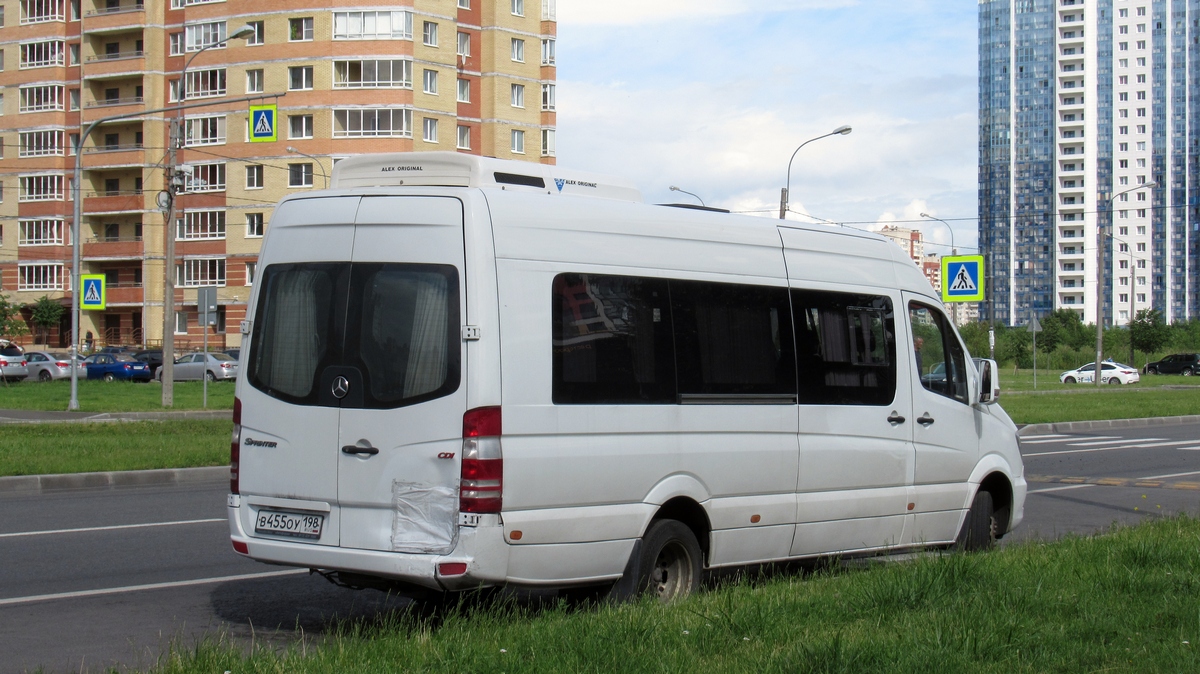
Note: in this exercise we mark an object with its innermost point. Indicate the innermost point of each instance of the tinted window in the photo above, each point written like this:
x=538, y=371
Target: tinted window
x=297, y=328
x=733, y=339
x=35, y=358
x=11, y=350
x=403, y=332
x=124, y=358
x=845, y=348
x=219, y=356
x=934, y=343
x=612, y=340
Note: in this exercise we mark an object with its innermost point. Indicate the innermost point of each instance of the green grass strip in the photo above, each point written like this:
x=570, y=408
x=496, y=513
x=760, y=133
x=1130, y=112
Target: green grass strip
x=113, y=396
x=33, y=449
x=1109, y=402
x=1124, y=602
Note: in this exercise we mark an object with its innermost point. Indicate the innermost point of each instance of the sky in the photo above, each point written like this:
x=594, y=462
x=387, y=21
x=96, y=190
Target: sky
x=714, y=96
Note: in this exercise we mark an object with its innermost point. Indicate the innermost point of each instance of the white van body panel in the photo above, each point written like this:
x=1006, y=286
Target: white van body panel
x=772, y=480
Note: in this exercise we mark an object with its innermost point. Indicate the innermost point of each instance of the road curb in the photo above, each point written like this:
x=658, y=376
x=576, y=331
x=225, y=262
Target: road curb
x=1076, y=426
x=37, y=484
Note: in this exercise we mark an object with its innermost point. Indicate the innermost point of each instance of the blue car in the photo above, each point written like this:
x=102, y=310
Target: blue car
x=110, y=366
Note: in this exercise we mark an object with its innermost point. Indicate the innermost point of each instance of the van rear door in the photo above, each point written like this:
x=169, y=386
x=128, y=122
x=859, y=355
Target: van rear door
x=402, y=408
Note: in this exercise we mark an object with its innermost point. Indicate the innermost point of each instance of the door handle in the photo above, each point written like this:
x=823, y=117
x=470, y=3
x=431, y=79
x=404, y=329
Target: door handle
x=355, y=449
x=895, y=419
x=925, y=419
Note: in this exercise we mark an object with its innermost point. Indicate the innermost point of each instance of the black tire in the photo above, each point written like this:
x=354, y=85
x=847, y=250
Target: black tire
x=1069, y=380
x=44, y=375
x=1187, y=373
x=210, y=376
x=1115, y=381
x=1152, y=370
x=670, y=566
x=979, y=531
x=108, y=376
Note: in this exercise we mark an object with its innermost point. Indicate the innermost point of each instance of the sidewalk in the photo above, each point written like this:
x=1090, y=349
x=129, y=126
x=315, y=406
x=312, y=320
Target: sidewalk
x=44, y=417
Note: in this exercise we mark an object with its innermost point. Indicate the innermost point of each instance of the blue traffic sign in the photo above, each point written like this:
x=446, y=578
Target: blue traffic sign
x=962, y=278
x=263, y=124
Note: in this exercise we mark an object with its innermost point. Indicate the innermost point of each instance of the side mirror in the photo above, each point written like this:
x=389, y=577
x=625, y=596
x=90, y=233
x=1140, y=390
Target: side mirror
x=989, y=382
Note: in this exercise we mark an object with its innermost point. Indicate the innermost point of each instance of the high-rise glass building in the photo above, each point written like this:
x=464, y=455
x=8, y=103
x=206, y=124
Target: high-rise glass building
x=1080, y=103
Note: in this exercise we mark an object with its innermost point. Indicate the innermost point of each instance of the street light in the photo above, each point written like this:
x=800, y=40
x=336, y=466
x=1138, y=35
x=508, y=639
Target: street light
x=783, y=196
x=176, y=139
x=953, y=248
x=676, y=189
x=1100, y=279
x=315, y=160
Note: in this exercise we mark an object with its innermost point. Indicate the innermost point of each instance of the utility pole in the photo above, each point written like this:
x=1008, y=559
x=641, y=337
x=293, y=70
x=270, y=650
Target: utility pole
x=168, y=341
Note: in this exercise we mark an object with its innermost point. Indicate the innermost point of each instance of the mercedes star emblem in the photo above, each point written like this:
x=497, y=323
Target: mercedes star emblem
x=341, y=386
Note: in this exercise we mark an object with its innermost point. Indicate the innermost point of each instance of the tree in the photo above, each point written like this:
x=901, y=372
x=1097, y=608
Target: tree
x=1150, y=333
x=46, y=313
x=12, y=323
x=1062, y=327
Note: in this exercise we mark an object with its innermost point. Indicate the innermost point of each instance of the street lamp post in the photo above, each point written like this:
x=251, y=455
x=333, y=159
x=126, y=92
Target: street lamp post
x=176, y=139
x=1100, y=234
x=315, y=161
x=953, y=248
x=783, y=196
x=676, y=189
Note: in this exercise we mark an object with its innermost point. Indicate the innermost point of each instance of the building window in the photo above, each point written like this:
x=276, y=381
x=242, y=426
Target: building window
x=518, y=50
x=430, y=130
x=251, y=270
x=371, y=74
x=201, y=272
x=205, y=83
x=380, y=123
x=518, y=7
x=259, y=36
x=429, y=34
x=464, y=91
x=181, y=317
x=254, y=176
x=41, y=188
x=176, y=46
x=48, y=232
x=300, y=78
x=254, y=225
x=40, y=277
x=464, y=138
x=42, y=11
x=547, y=52
x=254, y=81
x=208, y=130
x=464, y=44
x=464, y=4
x=74, y=95
x=200, y=225
x=518, y=141
x=203, y=35
x=40, y=98
x=300, y=30
x=42, y=54
x=548, y=97
x=206, y=177
x=547, y=142
x=41, y=144
x=300, y=126
x=430, y=82
x=395, y=25
x=517, y=95
x=300, y=175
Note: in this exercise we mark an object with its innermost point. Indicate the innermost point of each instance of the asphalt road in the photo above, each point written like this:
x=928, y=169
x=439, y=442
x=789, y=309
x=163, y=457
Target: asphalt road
x=86, y=584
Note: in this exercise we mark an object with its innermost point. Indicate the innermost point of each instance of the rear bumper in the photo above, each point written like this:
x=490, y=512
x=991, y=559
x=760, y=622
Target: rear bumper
x=481, y=548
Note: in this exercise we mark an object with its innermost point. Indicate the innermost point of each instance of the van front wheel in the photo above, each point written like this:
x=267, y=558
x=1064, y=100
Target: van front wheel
x=979, y=531
x=670, y=566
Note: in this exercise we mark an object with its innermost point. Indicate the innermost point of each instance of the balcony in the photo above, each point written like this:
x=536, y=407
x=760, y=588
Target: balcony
x=123, y=17
x=115, y=102
x=114, y=202
x=113, y=248
x=113, y=156
x=117, y=64
x=126, y=292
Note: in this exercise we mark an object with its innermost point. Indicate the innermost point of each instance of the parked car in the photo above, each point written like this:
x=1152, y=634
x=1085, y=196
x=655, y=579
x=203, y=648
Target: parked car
x=195, y=365
x=13, y=366
x=151, y=357
x=1186, y=364
x=119, y=349
x=235, y=354
x=110, y=366
x=1110, y=373
x=45, y=366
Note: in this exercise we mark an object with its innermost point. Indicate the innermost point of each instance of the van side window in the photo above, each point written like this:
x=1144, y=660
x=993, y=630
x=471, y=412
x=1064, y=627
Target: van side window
x=612, y=340
x=845, y=348
x=733, y=339
x=941, y=362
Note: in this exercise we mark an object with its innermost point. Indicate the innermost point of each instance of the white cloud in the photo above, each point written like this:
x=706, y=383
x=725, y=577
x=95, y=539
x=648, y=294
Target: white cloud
x=629, y=12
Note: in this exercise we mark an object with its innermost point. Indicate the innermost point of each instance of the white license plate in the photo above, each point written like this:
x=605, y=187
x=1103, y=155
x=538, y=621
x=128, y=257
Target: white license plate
x=288, y=524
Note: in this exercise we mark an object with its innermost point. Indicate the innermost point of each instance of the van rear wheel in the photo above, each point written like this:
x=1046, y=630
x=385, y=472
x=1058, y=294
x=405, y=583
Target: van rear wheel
x=670, y=566
x=979, y=531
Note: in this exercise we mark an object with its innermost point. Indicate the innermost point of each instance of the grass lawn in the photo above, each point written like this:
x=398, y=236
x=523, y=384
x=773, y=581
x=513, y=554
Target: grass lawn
x=1047, y=380
x=1126, y=601
x=32, y=449
x=114, y=396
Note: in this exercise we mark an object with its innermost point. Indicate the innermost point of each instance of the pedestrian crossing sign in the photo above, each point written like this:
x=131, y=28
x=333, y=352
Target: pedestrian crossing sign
x=962, y=278
x=263, y=127
x=94, y=294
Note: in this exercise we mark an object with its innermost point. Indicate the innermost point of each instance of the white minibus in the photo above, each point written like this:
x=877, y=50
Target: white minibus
x=465, y=372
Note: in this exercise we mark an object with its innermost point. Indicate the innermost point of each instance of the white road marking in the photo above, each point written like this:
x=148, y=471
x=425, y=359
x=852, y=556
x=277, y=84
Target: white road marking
x=1159, y=477
x=151, y=586
x=1047, y=436
x=111, y=528
x=1112, y=442
x=1192, y=449
x=1109, y=449
x=1061, y=438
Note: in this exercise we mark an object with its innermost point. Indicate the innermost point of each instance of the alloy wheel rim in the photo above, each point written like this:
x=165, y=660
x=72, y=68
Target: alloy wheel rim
x=672, y=573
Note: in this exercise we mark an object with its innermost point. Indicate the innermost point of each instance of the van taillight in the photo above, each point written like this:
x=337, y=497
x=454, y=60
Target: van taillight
x=235, y=447
x=482, y=462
